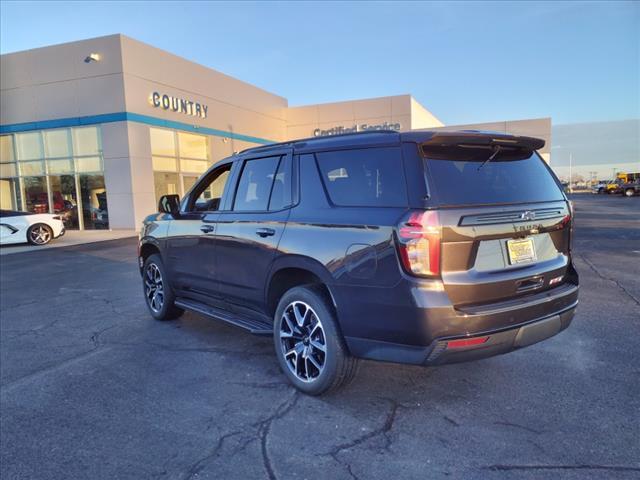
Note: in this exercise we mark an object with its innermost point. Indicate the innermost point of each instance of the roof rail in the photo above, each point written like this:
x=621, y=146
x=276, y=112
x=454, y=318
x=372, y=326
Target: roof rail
x=311, y=139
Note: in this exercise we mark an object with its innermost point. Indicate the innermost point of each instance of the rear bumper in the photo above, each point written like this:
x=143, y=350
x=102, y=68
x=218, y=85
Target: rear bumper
x=482, y=344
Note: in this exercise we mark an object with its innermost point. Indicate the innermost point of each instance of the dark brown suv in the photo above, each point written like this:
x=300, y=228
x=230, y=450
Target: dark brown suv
x=418, y=247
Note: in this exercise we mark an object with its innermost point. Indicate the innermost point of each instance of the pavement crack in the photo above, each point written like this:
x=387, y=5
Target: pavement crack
x=383, y=431
x=604, y=277
x=95, y=336
x=350, y=472
x=199, y=465
x=264, y=428
x=451, y=421
x=522, y=427
x=32, y=331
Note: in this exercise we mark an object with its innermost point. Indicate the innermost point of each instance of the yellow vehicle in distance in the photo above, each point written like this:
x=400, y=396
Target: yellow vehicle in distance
x=613, y=186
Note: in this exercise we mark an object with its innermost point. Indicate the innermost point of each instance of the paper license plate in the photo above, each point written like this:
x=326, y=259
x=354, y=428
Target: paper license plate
x=521, y=251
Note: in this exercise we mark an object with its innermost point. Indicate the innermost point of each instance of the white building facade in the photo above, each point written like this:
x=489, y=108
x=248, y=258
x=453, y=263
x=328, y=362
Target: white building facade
x=97, y=130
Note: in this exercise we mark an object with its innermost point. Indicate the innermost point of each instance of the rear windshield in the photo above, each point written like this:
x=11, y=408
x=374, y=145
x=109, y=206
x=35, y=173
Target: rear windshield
x=459, y=177
x=369, y=177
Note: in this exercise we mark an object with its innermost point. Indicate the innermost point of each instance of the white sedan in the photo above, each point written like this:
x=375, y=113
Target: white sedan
x=35, y=228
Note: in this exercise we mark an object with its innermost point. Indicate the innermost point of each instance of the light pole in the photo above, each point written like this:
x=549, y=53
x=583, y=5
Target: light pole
x=558, y=147
x=570, y=169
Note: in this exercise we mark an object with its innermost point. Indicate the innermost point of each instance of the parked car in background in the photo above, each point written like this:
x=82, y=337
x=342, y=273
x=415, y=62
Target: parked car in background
x=419, y=247
x=615, y=185
x=630, y=189
x=35, y=228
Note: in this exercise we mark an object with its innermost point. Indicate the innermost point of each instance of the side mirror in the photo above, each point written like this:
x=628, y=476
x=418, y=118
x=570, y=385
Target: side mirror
x=169, y=204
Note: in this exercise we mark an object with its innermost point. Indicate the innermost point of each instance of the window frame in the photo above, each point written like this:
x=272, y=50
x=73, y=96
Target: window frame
x=284, y=154
x=19, y=199
x=190, y=197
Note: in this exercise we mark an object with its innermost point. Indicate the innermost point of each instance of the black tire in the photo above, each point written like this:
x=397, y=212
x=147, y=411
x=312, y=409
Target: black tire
x=39, y=234
x=167, y=310
x=338, y=367
x=629, y=192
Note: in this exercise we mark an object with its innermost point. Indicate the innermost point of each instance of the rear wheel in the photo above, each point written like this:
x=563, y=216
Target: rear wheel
x=629, y=192
x=39, y=234
x=308, y=343
x=157, y=292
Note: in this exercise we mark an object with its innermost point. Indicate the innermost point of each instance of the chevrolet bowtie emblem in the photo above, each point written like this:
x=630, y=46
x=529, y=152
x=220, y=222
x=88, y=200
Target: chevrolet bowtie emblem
x=528, y=215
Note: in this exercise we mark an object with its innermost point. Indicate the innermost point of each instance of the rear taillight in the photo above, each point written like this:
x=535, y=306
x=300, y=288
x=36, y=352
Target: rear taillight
x=419, y=236
x=466, y=342
x=569, y=220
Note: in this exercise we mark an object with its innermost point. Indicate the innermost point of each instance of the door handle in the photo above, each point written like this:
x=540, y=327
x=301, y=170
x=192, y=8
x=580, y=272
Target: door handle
x=265, y=232
x=207, y=228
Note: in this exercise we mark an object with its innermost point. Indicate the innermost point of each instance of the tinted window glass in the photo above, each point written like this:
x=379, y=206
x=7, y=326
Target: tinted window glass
x=370, y=177
x=255, y=183
x=206, y=197
x=461, y=180
x=281, y=191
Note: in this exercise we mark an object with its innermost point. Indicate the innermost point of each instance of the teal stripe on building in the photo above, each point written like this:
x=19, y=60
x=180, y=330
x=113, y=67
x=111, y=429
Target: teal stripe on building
x=127, y=117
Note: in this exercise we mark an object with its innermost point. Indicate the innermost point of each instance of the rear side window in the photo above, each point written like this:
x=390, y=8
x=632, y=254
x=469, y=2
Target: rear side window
x=371, y=177
x=281, y=190
x=254, y=187
x=265, y=184
x=459, y=178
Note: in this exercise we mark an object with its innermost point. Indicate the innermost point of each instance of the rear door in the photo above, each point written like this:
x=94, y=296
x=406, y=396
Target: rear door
x=249, y=231
x=505, y=222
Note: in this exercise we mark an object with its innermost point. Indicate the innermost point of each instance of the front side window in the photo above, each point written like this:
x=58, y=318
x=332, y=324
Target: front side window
x=371, y=177
x=254, y=187
x=207, y=195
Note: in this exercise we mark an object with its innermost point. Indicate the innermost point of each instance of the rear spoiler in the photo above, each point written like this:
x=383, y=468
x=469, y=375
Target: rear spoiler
x=477, y=138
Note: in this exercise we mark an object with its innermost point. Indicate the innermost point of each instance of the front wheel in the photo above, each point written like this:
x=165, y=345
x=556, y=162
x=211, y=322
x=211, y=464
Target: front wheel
x=309, y=346
x=157, y=292
x=39, y=234
x=630, y=192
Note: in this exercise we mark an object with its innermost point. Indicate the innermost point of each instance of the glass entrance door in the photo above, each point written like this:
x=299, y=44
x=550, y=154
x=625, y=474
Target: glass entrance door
x=36, y=197
x=188, y=181
x=65, y=200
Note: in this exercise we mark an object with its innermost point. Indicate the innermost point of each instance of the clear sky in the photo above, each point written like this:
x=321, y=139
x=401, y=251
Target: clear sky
x=577, y=62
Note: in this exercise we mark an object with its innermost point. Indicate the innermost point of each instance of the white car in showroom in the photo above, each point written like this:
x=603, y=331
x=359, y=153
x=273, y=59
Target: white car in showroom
x=35, y=228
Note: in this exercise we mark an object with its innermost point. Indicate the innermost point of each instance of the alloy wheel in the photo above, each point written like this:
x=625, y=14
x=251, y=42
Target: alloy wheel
x=153, y=287
x=303, y=341
x=40, y=235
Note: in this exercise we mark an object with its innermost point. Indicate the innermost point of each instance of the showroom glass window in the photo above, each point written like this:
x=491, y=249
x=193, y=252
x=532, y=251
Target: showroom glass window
x=179, y=158
x=55, y=171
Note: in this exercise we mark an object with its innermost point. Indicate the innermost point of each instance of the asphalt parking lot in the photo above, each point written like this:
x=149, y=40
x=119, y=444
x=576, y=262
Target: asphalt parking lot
x=92, y=387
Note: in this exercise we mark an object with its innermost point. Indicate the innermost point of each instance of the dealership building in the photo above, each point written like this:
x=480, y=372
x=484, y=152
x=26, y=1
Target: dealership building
x=98, y=129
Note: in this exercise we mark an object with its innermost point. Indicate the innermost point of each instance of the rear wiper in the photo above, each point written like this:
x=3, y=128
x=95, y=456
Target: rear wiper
x=496, y=150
